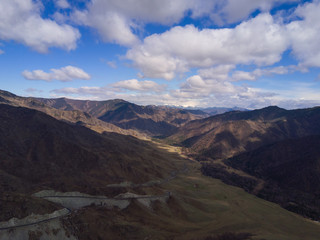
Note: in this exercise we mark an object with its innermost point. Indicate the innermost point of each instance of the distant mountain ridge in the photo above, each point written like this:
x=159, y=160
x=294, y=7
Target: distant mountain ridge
x=220, y=110
x=112, y=115
x=211, y=111
x=153, y=120
x=116, y=115
x=72, y=116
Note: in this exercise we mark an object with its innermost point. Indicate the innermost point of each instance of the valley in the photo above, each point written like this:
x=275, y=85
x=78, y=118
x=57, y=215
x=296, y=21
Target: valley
x=270, y=152
x=159, y=120
x=112, y=175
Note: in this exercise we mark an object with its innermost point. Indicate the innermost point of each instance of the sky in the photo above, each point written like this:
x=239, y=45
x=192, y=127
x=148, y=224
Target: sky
x=190, y=53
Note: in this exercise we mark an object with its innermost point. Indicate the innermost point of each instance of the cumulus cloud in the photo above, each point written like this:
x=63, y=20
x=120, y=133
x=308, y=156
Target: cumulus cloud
x=64, y=74
x=304, y=34
x=197, y=85
x=115, y=90
x=254, y=75
x=258, y=41
x=112, y=26
x=104, y=93
x=197, y=91
x=21, y=21
x=118, y=21
x=85, y=91
x=220, y=72
x=242, y=75
x=185, y=96
x=214, y=53
x=232, y=11
x=62, y=4
x=140, y=86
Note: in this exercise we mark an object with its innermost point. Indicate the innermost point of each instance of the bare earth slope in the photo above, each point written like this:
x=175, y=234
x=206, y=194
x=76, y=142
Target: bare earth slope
x=42, y=151
x=232, y=133
x=153, y=120
x=39, y=152
x=72, y=116
x=279, y=155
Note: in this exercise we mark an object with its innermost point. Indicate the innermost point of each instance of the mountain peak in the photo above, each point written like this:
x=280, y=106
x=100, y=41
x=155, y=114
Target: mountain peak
x=272, y=108
x=6, y=93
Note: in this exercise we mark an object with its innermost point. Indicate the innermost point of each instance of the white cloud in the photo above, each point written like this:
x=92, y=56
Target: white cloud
x=196, y=91
x=112, y=26
x=214, y=53
x=118, y=21
x=304, y=34
x=62, y=4
x=112, y=64
x=254, y=75
x=232, y=11
x=241, y=75
x=220, y=72
x=64, y=74
x=84, y=91
x=1, y=52
x=259, y=41
x=199, y=86
x=115, y=90
x=165, y=12
x=135, y=85
x=21, y=21
x=242, y=97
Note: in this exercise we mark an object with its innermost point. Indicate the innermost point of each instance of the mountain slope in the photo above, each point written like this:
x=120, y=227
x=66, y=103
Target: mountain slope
x=39, y=150
x=72, y=116
x=212, y=111
x=290, y=170
x=231, y=133
x=152, y=120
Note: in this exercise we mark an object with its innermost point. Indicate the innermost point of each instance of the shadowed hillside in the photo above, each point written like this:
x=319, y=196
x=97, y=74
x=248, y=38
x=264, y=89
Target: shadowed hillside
x=279, y=155
x=232, y=133
x=38, y=150
x=291, y=171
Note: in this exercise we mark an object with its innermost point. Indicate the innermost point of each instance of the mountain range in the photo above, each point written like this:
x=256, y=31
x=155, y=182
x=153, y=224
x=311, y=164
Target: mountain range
x=231, y=133
x=39, y=149
x=115, y=115
x=277, y=150
x=152, y=120
x=153, y=155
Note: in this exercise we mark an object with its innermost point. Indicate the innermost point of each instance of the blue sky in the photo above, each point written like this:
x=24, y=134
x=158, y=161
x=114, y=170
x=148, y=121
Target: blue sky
x=200, y=53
